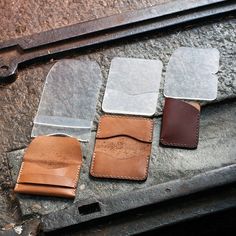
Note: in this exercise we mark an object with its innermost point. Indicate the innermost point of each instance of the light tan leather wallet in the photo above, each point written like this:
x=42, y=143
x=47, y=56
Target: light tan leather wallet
x=50, y=167
x=123, y=147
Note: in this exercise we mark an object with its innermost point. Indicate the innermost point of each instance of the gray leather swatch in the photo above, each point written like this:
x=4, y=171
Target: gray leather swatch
x=191, y=74
x=69, y=98
x=132, y=86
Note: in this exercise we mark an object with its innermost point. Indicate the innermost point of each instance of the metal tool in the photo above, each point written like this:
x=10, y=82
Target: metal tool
x=80, y=212
x=46, y=44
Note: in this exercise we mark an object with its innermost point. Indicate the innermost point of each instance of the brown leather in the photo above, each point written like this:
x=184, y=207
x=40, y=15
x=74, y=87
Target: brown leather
x=50, y=167
x=180, y=124
x=123, y=147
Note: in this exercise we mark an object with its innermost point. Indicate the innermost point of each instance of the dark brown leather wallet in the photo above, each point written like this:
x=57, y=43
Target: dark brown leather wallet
x=123, y=147
x=50, y=167
x=180, y=123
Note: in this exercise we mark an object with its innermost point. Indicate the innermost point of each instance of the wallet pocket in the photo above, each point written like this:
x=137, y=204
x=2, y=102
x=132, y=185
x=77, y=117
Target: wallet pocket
x=45, y=190
x=180, y=124
x=55, y=177
x=50, y=167
x=122, y=149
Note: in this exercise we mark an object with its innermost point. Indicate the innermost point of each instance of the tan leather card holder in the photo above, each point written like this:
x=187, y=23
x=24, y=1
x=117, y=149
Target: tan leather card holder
x=50, y=167
x=123, y=147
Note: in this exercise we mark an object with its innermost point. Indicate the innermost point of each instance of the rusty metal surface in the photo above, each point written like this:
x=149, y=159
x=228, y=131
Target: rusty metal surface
x=105, y=23
x=22, y=18
x=109, y=28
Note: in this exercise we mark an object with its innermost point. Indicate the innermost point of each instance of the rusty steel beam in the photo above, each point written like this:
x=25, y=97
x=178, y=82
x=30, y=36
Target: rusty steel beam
x=46, y=44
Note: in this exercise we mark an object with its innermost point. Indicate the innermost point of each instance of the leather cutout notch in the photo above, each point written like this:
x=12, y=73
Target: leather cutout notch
x=180, y=124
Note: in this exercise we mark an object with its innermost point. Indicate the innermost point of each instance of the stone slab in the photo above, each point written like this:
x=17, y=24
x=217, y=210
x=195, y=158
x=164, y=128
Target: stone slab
x=216, y=149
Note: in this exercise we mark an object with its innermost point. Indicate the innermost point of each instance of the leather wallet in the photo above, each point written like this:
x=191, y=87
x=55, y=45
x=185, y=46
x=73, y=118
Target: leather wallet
x=180, y=123
x=122, y=148
x=50, y=167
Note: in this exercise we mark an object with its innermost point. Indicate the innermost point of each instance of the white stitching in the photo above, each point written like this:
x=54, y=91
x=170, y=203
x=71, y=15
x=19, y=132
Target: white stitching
x=21, y=170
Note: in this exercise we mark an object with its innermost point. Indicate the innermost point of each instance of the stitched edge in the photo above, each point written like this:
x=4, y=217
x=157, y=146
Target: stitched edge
x=20, y=172
x=184, y=144
x=119, y=177
x=150, y=121
x=76, y=180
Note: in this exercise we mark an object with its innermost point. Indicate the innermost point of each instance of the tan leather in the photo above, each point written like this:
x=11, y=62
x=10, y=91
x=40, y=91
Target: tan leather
x=123, y=147
x=50, y=167
x=195, y=104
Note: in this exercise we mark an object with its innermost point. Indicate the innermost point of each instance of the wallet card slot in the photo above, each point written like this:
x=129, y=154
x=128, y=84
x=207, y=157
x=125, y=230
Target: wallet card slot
x=38, y=168
x=45, y=190
x=103, y=165
x=134, y=127
x=45, y=179
x=125, y=136
x=121, y=158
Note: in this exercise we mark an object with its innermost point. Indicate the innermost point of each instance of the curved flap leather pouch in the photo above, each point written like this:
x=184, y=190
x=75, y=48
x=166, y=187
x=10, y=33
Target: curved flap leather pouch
x=122, y=149
x=50, y=167
x=180, y=123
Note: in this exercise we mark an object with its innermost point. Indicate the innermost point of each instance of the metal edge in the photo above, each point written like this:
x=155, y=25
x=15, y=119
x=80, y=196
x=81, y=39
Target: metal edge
x=144, y=197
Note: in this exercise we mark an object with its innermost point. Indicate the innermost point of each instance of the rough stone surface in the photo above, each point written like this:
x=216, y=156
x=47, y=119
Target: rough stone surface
x=19, y=101
x=216, y=149
x=147, y=218
x=28, y=228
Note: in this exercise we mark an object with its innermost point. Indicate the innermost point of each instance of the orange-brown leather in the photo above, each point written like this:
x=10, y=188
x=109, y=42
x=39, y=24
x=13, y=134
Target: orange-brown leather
x=50, y=167
x=123, y=147
x=180, y=123
x=195, y=104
